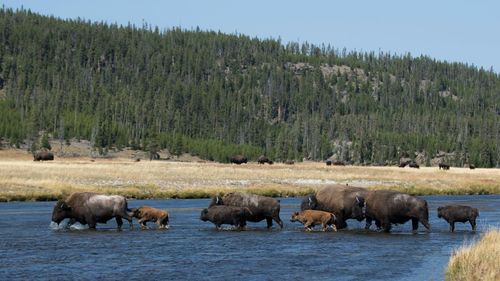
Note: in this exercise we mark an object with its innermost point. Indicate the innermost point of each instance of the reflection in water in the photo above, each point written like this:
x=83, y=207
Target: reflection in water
x=194, y=250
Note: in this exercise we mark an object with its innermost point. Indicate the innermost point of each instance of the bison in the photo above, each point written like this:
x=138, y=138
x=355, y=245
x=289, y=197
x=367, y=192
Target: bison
x=263, y=159
x=328, y=162
x=346, y=202
x=458, y=213
x=220, y=214
x=444, y=166
x=238, y=159
x=92, y=208
x=146, y=214
x=261, y=207
x=414, y=165
x=43, y=156
x=310, y=218
x=289, y=162
x=472, y=166
x=338, y=163
x=386, y=207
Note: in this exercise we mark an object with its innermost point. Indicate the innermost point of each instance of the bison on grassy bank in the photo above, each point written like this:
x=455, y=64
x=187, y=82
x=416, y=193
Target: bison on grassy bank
x=263, y=159
x=92, y=208
x=444, y=166
x=346, y=202
x=310, y=218
x=220, y=214
x=261, y=207
x=43, y=156
x=146, y=214
x=238, y=159
x=458, y=213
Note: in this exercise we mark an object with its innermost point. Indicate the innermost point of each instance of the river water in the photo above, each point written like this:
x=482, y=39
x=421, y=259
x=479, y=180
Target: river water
x=194, y=250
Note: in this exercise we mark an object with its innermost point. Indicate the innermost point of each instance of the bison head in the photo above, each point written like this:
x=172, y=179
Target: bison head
x=204, y=215
x=309, y=203
x=440, y=209
x=60, y=212
x=359, y=208
x=295, y=217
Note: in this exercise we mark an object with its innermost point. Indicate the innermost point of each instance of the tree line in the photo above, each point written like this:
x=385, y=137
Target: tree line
x=214, y=94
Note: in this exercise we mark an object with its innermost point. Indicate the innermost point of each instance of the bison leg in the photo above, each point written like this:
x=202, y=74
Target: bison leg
x=92, y=224
x=414, y=225
x=269, y=222
x=142, y=223
x=368, y=223
x=473, y=224
x=452, y=226
x=119, y=222
x=278, y=221
x=386, y=226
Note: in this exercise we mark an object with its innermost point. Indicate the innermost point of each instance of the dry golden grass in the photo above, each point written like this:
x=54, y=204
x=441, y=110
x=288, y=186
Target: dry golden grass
x=480, y=261
x=23, y=179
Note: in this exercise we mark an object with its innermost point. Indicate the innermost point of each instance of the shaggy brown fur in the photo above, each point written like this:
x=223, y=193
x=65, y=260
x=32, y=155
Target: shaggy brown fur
x=146, y=213
x=310, y=218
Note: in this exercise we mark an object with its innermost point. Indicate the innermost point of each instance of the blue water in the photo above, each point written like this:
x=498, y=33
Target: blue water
x=194, y=250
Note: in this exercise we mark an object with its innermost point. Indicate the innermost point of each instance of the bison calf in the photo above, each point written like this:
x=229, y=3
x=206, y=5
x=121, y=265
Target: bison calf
x=221, y=214
x=310, y=218
x=458, y=213
x=146, y=213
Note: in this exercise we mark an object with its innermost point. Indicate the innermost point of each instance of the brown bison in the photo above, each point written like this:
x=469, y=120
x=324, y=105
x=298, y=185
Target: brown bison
x=458, y=213
x=328, y=162
x=310, y=218
x=386, y=207
x=414, y=165
x=261, y=207
x=289, y=162
x=444, y=166
x=43, y=156
x=92, y=208
x=263, y=159
x=220, y=214
x=346, y=202
x=472, y=166
x=238, y=159
x=146, y=214
x=338, y=163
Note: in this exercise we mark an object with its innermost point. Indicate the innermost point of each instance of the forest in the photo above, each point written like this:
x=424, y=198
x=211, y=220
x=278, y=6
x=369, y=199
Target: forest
x=215, y=95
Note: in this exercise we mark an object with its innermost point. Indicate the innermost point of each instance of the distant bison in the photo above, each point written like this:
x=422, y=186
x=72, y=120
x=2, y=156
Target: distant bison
x=444, y=166
x=402, y=164
x=310, y=218
x=92, y=208
x=386, y=207
x=414, y=165
x=328, y=162
x=289, y=162
x=146, y=214
x=338, y=163
x=238, y=159
x=472, y=167
x=43, y=156
x=263, y=159
x=220, y=214
x=346, y=202
x=261, y=207
x=458, y=213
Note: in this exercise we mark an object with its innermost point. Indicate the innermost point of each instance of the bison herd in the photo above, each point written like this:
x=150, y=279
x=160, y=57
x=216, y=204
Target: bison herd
x=330, y=207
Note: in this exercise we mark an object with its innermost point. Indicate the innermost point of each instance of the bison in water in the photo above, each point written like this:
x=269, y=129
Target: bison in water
x=146, y=214
x=310, y=218
x=261, y=207
x=219, y=215
x=386, y=207
x=238, y=159
x=43, y=156
x=346, y=202
x=92, y=208
x=458, y=213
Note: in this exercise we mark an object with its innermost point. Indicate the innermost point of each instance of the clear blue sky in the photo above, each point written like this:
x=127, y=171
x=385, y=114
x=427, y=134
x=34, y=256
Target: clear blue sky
x=461, y=31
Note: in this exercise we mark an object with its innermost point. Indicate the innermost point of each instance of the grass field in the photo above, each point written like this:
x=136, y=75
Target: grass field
x=23, y=179
x=480, y=261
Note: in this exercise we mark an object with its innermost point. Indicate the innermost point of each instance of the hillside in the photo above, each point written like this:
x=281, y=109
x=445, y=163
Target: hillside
x=214, y=95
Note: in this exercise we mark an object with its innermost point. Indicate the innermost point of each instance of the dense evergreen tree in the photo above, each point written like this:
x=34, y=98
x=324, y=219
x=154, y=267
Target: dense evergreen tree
x=214, y=94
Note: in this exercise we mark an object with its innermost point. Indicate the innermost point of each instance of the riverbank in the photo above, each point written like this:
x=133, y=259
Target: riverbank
x=479, y=261
x=23, y=179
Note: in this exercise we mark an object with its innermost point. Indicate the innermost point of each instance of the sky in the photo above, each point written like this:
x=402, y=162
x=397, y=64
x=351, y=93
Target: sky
x=453, y=31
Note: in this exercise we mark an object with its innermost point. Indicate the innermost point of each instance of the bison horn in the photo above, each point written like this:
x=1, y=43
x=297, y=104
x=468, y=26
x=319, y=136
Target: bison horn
x=217, y=200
